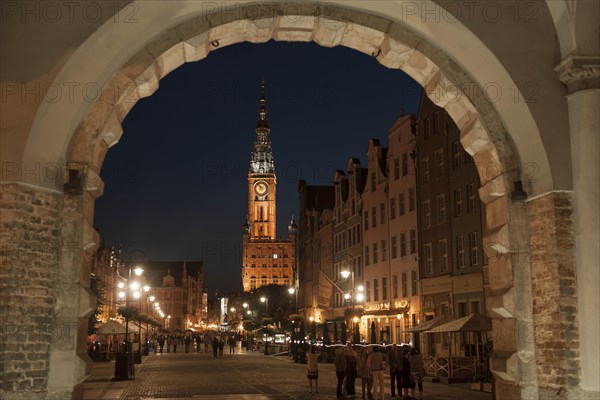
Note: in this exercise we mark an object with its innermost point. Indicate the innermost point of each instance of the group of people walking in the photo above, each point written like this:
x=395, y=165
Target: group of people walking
x=369, y=364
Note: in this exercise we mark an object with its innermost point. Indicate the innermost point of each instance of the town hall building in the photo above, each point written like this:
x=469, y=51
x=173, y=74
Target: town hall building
x=266, y=260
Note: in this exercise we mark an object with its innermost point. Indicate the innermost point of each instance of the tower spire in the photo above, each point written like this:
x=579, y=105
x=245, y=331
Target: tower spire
x=262, y=157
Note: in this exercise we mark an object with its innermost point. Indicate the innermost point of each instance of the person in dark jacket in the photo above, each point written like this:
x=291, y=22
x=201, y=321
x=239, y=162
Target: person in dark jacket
x=351, y=362
x=215, y=346
x=340, y=371
x=407, y=382
x=394, y=361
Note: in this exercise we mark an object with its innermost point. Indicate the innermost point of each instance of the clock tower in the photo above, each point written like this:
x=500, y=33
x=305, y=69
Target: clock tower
x=266, y=260
x=262, y=180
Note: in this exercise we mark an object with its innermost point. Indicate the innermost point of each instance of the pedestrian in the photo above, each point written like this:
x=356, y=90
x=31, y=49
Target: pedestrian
x=351, y=361
x=313, y=369
x=340, y=371
x=395, y=365
x=375, y=362
x=187, y=341
x=198, y=340
x=169, y=343
x=175, y=343
x=364, y=373
x=161, y=342
x=221, y=346
x=206, y=340
x=231, y=343
x=215, y=346
x=417, y=370
x=407, y=382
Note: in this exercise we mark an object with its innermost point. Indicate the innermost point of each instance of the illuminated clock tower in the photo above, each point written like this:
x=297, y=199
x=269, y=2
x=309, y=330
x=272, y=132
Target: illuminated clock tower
x=262, y=180
x=266, y=260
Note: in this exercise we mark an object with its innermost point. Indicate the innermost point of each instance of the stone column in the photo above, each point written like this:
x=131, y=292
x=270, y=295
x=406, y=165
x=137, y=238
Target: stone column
x=582, y=78
x=69, y=362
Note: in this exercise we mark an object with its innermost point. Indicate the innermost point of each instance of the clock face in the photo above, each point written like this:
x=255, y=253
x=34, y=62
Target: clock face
x=261, y=188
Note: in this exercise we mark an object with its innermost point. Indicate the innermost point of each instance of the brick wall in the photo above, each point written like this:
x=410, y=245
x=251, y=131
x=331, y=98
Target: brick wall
x=28, y=258
x=554, y=288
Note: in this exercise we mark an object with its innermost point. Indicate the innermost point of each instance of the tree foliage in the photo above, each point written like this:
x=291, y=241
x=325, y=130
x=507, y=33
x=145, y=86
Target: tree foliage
x=97, y=288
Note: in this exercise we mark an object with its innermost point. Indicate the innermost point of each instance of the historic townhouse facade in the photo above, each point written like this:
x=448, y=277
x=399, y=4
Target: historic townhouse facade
x=403, y=233
x=108, y=267
x=265, y=259
x=315, y=248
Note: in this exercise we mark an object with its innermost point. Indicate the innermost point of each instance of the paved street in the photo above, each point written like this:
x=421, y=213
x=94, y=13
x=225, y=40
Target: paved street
x=244, y=376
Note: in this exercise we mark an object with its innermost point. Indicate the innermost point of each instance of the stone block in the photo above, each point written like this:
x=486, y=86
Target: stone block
x=496, y=242
x=167, y=50
x=460, y=109
x=500, y=303
x=329, y=32
x=494, y=189
x=294, y=28
x=112, y=131
x=197, y=47
x=488, y=163
x=505, y=365
x=500, y=271
x=260, y=30
x=93, y=183
x=363, y=39
x=474, y=137
x=420, y=68
x=394, y=54
x=228, y=34
x=441, y=91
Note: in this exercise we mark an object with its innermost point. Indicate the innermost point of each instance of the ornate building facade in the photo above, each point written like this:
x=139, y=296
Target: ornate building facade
x=265, y=259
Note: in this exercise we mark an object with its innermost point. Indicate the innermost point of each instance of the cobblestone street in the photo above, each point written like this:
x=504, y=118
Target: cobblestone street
x=245, y=376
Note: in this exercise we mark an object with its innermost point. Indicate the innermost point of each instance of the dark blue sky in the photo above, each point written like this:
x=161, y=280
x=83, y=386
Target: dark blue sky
x=176, y=183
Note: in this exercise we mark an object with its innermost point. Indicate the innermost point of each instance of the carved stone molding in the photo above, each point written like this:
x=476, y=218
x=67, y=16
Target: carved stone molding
x=579, y=72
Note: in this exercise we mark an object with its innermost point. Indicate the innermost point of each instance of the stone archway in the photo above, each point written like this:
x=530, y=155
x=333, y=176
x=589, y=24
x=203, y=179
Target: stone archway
x=486, y=133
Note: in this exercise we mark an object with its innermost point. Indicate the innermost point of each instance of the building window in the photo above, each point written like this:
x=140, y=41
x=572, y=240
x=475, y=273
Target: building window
x=428, y=258
x=443, y=250
x=441, y=208
x=382, y=213
x=374, y=217
x=383, y=250
x=373, y=182
x=366, y=223
x=460, y=251
x=474, y=248
x=404, y=164
x=396, y=169
x=411, y=199
x=383, y=289
x=413, y=241
x=401, y=203
x=395, y=286
x=458, y=202
x=359, y=266
x=367, y=257
x=368, y=289
x=426, y=214
x=394, y=247
x=439, y=164
x=475, y=309
x=393, y=208
x=426, y=129
x=403, y=244
x=375, y=290
x=425, y=171
x=472, y=193
x=375, y=261
x=456, y=152
x=462, y=309
x=404, y=285
x=436, y=122
x=415, y=283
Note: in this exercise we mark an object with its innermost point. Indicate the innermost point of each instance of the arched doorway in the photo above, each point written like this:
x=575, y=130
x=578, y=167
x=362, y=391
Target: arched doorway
x=502, y=136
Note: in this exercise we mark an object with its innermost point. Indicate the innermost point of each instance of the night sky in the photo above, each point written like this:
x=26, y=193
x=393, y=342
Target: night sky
x=176, y=183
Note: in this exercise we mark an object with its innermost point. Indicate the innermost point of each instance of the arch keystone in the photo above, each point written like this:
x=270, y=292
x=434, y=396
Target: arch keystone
x=294, y=28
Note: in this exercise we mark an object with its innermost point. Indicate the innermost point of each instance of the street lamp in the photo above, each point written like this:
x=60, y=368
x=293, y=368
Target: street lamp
x=124, y=369
x=266, y=301
x=345, y=274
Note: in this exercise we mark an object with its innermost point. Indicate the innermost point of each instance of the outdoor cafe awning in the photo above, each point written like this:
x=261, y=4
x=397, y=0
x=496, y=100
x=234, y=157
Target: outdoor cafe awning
x=111, y=328
x=470, y=323
x=427, y=325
